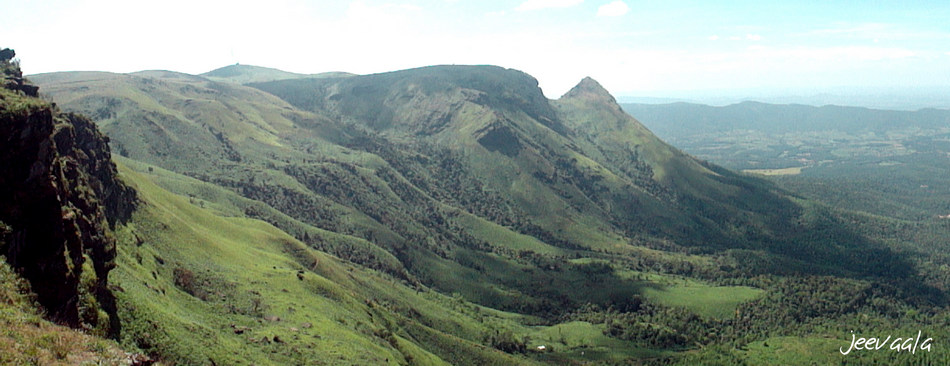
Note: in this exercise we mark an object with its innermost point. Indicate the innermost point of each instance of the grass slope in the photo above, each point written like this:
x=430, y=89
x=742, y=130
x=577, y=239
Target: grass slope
x=27, y=338
x=710, y=301
x=187, y=270
x=191, y=281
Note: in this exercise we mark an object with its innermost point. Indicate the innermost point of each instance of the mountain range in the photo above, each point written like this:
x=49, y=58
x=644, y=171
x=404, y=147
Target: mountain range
x=454, y=215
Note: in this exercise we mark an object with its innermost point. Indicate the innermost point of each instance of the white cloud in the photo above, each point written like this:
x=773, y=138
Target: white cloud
x=614, y=9
x=753, y=37
x=713, y=37
x=546, y=4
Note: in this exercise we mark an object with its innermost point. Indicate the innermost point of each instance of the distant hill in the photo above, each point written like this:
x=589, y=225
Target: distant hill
x=243, y=74
x=882, y=161
x=679, y=120
x=893, y=98
x=826, y=140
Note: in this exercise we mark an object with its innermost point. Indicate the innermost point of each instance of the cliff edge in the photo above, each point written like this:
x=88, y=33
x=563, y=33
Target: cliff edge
x=59, y=194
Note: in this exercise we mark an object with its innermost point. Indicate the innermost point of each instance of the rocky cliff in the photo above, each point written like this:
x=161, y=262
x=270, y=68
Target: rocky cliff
x=59, y=194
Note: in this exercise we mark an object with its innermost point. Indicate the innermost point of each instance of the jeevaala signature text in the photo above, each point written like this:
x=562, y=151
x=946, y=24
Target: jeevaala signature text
x=911, y=344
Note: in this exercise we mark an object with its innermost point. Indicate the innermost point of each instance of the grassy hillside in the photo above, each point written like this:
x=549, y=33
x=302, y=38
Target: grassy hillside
x=253, y=294
x=257, y=295
x=186, y=121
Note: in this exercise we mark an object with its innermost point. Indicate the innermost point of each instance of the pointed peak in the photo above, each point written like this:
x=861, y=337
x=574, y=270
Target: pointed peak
x=589, y=89
x=590, y=83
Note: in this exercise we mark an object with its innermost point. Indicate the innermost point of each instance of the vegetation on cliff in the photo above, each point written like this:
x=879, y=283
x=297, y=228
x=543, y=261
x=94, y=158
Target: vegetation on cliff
x=60, y=193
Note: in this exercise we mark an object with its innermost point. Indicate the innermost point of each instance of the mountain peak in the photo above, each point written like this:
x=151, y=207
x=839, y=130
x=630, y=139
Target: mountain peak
x=590, y=89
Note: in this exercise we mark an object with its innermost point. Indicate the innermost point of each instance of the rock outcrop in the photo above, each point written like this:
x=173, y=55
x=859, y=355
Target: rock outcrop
x=59, y=194
x=10, y=75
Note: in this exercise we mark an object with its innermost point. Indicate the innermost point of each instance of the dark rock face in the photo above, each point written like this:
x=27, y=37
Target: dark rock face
x=58, y=196
x=7, y=54
x=18, y=83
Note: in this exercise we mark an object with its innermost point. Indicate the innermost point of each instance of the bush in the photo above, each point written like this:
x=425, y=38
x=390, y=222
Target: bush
x=185, y=280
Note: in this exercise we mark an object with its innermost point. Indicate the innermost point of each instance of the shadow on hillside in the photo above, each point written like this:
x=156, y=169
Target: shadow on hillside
x=829, y=245
x=768, y=233
x=543, y=286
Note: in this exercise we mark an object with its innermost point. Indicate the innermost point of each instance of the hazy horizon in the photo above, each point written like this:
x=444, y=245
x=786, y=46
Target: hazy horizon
x=908, y=99
x=890, y=98
x=679, y=49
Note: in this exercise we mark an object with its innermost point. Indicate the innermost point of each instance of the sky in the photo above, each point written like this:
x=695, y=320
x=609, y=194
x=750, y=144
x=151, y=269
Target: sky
x=637, y=48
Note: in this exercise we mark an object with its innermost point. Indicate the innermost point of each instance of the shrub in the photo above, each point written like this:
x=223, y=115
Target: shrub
x=185, y=280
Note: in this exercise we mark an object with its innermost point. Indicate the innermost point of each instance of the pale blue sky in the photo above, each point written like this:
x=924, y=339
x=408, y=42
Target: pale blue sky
x=632, y=47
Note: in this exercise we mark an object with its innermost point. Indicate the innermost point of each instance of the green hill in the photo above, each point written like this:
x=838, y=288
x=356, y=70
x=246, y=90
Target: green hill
x=243, y=74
